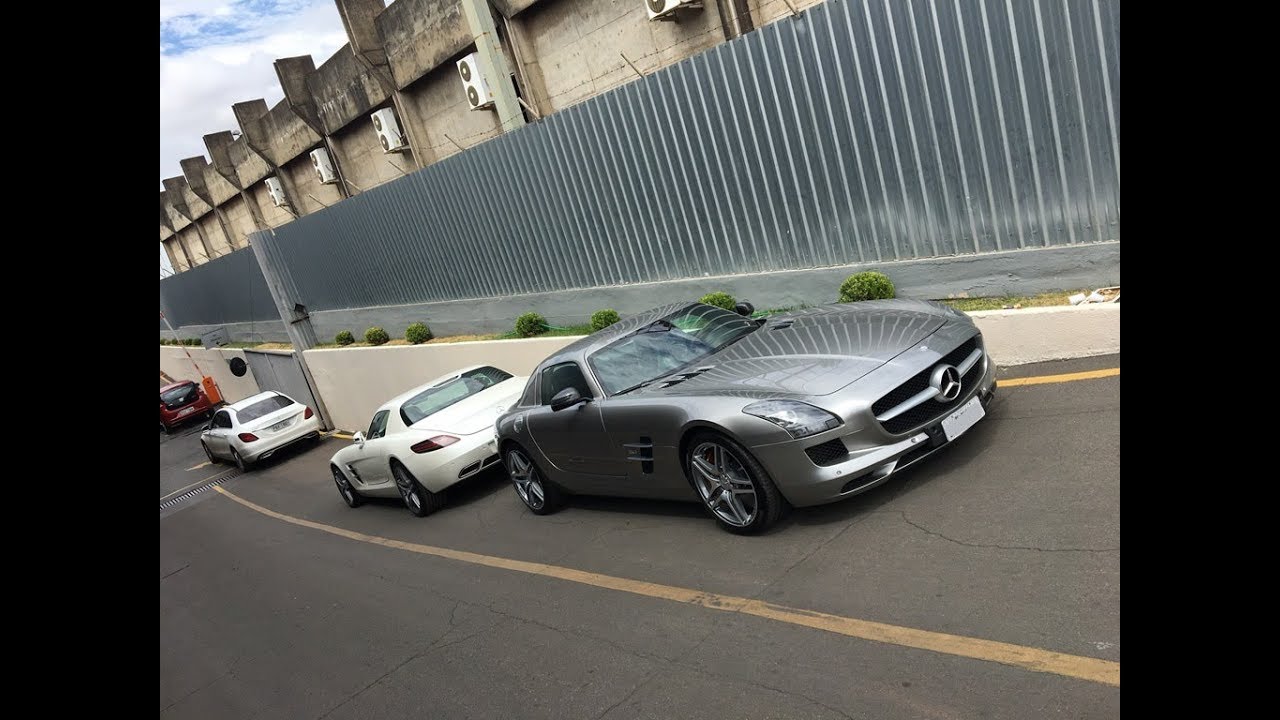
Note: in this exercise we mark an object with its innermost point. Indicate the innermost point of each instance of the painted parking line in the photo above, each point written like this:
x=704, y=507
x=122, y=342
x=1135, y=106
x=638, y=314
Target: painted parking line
x=206, y=463
x=1065, y=377
x=1095, y=670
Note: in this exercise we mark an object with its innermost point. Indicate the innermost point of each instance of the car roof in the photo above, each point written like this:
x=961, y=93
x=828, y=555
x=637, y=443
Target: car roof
x=395, y=402
x=175, y=385
x=579, y=349
x=242, y=404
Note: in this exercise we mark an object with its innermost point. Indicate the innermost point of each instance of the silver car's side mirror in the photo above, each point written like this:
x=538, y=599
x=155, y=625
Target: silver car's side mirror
x=358, y=438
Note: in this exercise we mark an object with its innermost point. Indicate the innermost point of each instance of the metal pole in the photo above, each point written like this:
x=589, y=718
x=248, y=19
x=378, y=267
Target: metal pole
x=298, y=325
x=494, y=63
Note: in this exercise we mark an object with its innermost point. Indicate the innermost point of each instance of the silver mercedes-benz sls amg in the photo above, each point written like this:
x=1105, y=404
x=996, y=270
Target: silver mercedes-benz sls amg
x=690, y=401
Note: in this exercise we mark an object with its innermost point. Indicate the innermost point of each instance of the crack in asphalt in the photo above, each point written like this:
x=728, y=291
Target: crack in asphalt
x=175, y=572
x=990, y=546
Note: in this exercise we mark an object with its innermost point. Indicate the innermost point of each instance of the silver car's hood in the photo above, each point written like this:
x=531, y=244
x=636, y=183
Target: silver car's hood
x=810, y=352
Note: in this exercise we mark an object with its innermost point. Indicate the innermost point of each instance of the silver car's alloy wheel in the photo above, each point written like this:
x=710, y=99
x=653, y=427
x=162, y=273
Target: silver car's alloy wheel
x=240, y=463
x=525, y=478
x=724, y=484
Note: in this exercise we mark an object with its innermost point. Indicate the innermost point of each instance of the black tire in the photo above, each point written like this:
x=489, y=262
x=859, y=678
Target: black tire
x=239, y=461
x=345, y=490
x=768, y=503
x=213, y=460
x=420, y=501
x=514, y=459
x=166, y=429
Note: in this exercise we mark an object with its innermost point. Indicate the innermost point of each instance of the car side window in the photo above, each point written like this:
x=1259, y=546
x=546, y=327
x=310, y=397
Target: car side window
x=561, y=376
x=378, y=427
x=221, y=419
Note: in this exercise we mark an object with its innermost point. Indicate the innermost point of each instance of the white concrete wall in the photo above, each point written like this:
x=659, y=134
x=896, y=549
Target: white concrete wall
x=354, y=381
x=174, y=363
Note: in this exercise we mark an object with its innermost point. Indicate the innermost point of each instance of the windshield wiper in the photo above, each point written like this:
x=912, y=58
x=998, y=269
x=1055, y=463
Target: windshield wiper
x=637, y=386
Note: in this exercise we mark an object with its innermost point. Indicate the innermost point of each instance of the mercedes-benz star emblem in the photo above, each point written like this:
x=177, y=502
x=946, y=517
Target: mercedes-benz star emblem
x=946, y=380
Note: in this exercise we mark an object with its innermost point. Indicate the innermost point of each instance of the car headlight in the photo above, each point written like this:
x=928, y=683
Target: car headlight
x=797, y=418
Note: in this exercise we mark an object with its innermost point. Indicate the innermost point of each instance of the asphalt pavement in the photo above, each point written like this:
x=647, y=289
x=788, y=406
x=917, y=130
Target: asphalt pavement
x=1011, y=535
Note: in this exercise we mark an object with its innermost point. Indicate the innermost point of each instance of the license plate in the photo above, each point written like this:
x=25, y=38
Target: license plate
x=280, y=425
x=185, y=411
x=964, y=418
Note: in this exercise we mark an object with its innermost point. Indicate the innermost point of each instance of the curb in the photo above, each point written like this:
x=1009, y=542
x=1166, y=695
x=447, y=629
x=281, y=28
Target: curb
x=1018, y=337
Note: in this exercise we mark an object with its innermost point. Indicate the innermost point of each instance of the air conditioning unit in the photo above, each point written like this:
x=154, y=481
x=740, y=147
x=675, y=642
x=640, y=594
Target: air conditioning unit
x=666, y=9
x=389, y=134
x=324, y=166
x=276, y=191
x=479, y=95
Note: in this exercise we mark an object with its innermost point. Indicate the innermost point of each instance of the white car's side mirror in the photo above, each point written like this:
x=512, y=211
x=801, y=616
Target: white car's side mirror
x=358, y=438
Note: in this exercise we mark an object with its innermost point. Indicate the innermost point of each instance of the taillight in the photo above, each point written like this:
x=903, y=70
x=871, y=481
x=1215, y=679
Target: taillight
x=434, y=443
x=247, y=437
x=307, y=415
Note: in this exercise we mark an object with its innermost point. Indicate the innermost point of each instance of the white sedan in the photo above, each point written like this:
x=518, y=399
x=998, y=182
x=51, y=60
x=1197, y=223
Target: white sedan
x=257, y=427
x=427, y=439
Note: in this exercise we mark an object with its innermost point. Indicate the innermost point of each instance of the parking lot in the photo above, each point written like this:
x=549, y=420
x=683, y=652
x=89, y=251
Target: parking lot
x=984, y=582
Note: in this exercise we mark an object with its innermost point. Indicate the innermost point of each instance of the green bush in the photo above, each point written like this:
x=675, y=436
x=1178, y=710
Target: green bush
x=868, y=285
x=418, y=333
x=602, y=319
x=720, y=300
x=191, y=341
x=376, y=335
x=530, y=324
x=344, y=338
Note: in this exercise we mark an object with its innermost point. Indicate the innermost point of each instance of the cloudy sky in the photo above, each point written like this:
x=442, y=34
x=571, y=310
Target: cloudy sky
x=217, y=52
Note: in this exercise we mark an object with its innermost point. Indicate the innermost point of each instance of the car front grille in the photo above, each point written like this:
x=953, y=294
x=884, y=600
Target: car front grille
x=929, y=410
x=828, y=453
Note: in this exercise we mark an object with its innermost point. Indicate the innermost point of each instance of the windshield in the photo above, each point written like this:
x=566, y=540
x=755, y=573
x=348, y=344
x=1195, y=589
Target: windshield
x=434, y=399
x=666, y=345
x=174, y=396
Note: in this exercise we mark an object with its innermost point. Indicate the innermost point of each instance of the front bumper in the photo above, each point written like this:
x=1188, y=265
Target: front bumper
x=804, y=483
x=264, y=448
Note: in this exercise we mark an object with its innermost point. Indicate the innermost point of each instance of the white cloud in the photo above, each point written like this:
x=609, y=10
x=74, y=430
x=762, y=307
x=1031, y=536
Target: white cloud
x=214, y=53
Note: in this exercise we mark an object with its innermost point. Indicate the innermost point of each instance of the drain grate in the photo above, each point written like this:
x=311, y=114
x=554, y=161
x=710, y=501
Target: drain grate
x=229, y=475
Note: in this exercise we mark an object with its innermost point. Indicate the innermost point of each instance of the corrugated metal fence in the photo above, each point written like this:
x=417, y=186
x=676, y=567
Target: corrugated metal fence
x=225, y=289
x=859, y=131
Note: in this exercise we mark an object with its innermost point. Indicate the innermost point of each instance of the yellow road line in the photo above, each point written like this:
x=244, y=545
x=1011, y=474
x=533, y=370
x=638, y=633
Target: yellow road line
x=1065, y=377
x=1106, y=672
x=203, y=464
x=342, y=435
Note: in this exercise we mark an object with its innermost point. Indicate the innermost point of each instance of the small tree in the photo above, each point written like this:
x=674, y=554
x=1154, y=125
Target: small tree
x=344, y=338
x=376, y=336
x=530, y=324
x=869, y=285
x=602, y=319
x=720, y=300
x=418, y=333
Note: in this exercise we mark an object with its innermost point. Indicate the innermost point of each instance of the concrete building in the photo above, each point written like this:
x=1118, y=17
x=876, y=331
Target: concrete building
x=320, y=144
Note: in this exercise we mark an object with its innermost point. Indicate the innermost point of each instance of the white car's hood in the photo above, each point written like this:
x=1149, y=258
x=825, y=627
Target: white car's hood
x=474, y=414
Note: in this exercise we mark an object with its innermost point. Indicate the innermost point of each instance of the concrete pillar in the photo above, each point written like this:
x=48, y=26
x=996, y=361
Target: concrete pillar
x=292, y=73
x=193, y=169
x=489, y=47
x=219, y=147
x=175, y=186
x=297, y=321
x=247, y=114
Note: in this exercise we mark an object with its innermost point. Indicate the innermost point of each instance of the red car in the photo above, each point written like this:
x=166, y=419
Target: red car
x=180, y=402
